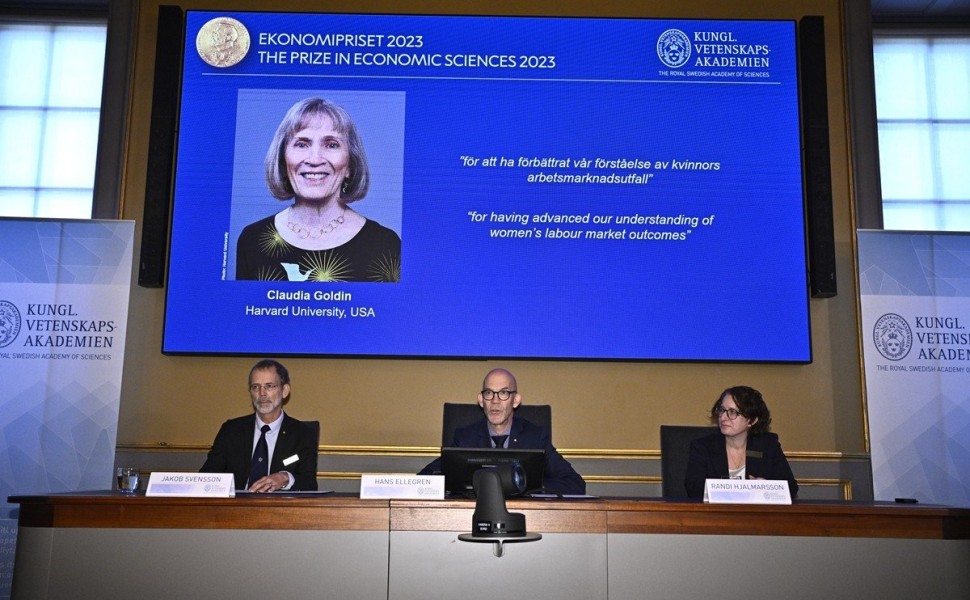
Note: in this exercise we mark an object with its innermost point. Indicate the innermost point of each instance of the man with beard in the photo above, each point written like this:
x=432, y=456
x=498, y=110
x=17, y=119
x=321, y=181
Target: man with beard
x=268, y=451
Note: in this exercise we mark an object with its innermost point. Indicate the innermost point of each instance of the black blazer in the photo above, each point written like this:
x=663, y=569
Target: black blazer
x=708, y=460
x=232, y=451
x=559, y=476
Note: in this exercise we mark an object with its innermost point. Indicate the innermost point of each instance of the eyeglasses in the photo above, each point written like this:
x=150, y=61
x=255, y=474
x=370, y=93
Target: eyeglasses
x=732, y=413
x=502, y=395
x=269, y=387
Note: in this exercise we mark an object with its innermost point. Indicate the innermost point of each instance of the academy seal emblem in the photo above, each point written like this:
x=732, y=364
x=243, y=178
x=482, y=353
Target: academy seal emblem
x=673, y=48
x=222, y=42
x=9, y=323
x=892, y=336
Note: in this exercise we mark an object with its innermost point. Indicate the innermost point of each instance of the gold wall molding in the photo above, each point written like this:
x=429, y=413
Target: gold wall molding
x=580, y=453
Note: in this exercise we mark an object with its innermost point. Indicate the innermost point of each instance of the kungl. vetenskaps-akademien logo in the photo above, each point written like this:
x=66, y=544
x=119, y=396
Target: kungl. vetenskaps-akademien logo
x=9, y=323
x=673, y=48
x=892, y=336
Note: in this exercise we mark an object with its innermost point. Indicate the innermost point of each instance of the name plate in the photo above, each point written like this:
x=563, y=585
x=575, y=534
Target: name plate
x=747, y=491
x=192, y=485
x=379, y=486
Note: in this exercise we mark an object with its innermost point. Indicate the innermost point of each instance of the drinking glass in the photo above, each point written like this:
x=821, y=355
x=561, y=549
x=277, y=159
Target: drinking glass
x=127, y=479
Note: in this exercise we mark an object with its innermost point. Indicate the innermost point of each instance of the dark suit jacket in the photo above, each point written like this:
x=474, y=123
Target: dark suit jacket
x=232, y=451
x=559, y=476
x=708, y=460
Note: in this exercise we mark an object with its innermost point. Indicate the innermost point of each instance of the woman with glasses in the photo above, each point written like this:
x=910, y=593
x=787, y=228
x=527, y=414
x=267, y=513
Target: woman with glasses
x=742, y=448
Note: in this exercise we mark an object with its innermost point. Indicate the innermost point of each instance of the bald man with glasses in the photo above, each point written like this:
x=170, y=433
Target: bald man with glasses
x=269, y=450
x=500, y=428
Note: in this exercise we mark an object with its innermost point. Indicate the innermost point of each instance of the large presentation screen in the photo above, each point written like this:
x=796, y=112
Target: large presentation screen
x=488, y=187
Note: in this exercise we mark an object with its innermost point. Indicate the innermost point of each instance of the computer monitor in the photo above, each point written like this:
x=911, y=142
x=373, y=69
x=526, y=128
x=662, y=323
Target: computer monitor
x=459, y=465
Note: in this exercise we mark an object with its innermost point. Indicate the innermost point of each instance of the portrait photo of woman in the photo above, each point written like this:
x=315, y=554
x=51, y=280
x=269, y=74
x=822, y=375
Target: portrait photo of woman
x=316, y=163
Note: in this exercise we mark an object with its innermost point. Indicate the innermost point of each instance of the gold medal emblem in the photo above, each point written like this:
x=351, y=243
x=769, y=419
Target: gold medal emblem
x=222, y=42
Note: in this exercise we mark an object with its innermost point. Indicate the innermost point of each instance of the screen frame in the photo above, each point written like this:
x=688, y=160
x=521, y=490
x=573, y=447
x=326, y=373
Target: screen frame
x=574, y=355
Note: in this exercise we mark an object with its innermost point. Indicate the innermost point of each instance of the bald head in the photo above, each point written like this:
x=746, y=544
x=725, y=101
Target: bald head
x=502, y=399
x=506, y=379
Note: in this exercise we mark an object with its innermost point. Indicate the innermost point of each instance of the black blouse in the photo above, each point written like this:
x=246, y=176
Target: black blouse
x=374, y=255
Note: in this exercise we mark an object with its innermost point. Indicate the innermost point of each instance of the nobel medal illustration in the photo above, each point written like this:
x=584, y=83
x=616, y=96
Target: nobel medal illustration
x=222, y=42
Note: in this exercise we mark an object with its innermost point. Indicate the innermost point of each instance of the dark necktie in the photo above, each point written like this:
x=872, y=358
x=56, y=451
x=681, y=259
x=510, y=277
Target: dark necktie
x=499, y=440
x=260, y=458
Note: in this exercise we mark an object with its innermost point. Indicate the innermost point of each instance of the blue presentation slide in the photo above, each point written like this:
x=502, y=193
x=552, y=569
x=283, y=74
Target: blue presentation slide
x=488, y=187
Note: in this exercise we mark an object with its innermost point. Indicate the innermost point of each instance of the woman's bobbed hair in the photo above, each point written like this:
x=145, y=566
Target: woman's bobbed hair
x=751, y=405
x=299, y=117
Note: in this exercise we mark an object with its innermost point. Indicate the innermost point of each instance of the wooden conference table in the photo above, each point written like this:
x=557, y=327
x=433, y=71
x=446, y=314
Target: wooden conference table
x=105, y=545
